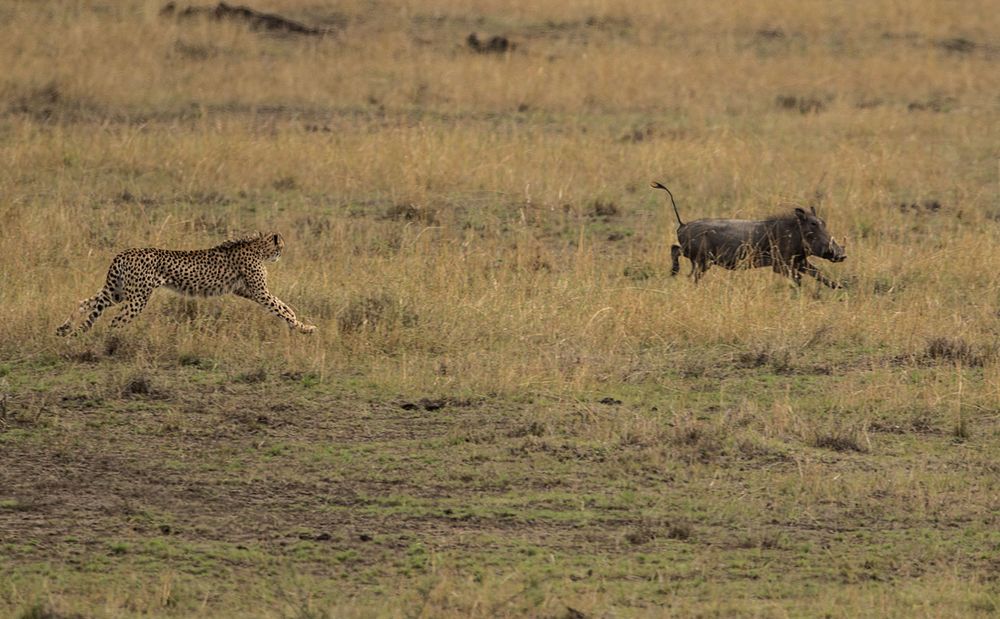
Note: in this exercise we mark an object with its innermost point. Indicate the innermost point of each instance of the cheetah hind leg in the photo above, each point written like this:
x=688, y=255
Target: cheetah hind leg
x=277, y=307
x=93, y=307
x=135, y=302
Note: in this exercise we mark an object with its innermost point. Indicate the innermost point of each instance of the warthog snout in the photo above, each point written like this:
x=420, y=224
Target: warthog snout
x=837, y=253
x=834, y=252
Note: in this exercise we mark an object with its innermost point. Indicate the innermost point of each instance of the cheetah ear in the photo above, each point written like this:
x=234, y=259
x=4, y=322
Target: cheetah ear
x=276, y=238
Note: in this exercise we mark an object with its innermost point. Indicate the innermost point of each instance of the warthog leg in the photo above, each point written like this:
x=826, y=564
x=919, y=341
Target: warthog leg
x=675, y=262
x=804, y=266
x=698, y=268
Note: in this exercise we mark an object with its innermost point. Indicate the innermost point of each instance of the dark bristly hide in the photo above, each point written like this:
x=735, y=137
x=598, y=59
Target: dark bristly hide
x=783, y=242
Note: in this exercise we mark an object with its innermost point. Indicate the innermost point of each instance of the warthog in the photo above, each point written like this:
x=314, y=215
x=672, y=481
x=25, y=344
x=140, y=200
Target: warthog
x=782, y=242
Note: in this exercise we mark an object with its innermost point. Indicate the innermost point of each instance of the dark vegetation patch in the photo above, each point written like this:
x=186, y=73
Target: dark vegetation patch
x=639, y=272
x=681, y=531
x=641, y=535
x=316, y=128
x=195, y=361
x=496, y=44
x=127, y=197
x=765, y=540
x=603, y=209
x=140, y=385
x=924, y=421
x=4, y=415
x=583, y=30
x=955, y=350
x=770, y=41
x=52, y=104
x=639, y=134
x=253, y=377
x=409, y=211
x=696, y=440
x=86, y=355
x=196, y=51
x=433, y=404
x=937, y=104
x=803, y=104
x=869, y=104
x=958, y=45
x=901, y=36
x=839, y=438
x=40, y=610
x=770, y=34
x=313, y=225
x=119, y=347
x=285, y=183
x=930, y=206
x=779, y=360
x=534, y=428
x=755, y=449
x=256, y=20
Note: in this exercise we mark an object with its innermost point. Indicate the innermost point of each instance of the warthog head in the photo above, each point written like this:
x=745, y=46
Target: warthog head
x=816, y=238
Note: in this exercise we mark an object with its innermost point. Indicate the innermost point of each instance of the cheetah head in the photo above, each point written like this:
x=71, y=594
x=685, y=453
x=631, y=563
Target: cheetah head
x=273, y=245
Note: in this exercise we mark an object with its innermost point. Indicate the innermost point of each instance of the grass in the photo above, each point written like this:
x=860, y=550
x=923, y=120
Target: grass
x=509, y=407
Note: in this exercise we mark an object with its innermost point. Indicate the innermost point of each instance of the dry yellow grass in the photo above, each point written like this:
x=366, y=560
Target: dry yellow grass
x=463, y=225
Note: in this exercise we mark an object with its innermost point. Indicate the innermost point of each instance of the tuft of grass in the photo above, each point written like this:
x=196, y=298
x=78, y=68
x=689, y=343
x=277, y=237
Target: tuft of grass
x=252, y=377
x=138, y=385
x=40, y=610
x=681, y=531
x=954, y=349
x=840, y=438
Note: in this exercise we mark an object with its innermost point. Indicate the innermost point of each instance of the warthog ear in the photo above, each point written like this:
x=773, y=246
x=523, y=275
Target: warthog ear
x=812, y=207
x=801, y=214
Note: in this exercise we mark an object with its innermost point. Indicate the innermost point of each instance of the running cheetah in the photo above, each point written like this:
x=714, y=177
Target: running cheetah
x=234, y=266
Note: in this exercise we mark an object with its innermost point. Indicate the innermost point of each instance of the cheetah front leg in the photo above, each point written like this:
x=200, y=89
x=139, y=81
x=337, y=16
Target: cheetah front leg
x=276, y=306
x=93, y=307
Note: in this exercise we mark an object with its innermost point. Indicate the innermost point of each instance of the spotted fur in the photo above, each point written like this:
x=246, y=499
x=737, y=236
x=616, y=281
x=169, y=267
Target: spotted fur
x=234, y=266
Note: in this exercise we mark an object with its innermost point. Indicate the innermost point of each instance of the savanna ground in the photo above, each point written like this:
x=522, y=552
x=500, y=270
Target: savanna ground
x=509, y=407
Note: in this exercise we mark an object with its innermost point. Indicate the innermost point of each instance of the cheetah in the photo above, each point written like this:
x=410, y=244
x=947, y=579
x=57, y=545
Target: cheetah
x=235, y=266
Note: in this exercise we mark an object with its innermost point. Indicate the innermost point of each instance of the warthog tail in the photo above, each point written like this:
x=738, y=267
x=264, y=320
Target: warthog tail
x=656, y=185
